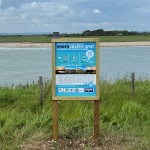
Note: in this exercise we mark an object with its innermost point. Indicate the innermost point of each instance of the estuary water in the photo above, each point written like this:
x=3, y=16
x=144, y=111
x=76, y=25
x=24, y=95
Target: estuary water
x=22, y=65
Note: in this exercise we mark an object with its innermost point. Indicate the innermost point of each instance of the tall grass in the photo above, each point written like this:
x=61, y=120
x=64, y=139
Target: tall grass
x=23, y=120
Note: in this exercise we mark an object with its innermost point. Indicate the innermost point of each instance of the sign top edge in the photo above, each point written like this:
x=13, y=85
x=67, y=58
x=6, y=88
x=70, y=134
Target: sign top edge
x=75, y=40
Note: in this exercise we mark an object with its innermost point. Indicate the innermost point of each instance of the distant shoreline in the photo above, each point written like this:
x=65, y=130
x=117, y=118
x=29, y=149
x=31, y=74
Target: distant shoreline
x=47, y=45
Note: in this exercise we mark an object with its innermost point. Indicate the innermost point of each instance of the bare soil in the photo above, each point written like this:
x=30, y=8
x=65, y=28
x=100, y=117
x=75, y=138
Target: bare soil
x=104, y=143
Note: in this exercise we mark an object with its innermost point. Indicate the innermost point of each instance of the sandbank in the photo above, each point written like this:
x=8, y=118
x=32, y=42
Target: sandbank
x=47, y=45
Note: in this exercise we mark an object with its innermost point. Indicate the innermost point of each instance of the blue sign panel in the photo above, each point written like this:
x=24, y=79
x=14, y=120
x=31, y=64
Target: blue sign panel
x=75, y=69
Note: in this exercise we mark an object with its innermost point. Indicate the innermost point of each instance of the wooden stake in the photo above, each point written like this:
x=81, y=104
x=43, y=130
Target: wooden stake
x=96, y=119
x=41, y=91
x=55, y=119
x=133, y=83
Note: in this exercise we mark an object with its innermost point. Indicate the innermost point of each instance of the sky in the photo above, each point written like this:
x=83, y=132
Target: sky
x=73, y=16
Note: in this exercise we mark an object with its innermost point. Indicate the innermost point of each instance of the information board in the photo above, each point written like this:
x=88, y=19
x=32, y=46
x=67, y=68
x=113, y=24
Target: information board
x=75, y=69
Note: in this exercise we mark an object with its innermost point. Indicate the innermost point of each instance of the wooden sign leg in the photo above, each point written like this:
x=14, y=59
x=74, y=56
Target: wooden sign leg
x=96, y=119
x=55, y=119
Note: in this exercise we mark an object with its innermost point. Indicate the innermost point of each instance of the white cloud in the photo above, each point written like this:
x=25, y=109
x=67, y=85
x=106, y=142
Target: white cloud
x=45, y=9
x=0, y=3
x=32, y=12
x=97, y=11
x=39, y=16
x=74, y=15
x=34, y=5
x=143, y=9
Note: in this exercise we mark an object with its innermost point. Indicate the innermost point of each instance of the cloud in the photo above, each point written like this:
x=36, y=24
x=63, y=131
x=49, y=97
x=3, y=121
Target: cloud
x=72, y=16
x=0, y=3
x=97, y=11
x=34, y=5
x=45, y=15
x=45, y=8
x=143, y=9
x=30, y=12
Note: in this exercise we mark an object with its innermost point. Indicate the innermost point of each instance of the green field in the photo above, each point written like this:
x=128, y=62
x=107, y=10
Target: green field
x=47, y=39
x=26, y=38
x=124, y=119
x=135, y=38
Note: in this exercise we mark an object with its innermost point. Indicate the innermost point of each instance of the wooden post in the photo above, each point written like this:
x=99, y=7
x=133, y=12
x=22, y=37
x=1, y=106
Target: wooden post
x=41, y=91
x=27, y=85
x=96, y=119
x=12, y=86
x=133, y=83
x=45, y=83
x=55, y=119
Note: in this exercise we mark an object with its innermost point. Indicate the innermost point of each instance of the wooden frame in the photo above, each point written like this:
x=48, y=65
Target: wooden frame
x=57, y=98
x=96, y=40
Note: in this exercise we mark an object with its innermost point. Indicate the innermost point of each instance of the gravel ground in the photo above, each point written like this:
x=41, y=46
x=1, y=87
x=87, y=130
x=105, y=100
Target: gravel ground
x=105, y=143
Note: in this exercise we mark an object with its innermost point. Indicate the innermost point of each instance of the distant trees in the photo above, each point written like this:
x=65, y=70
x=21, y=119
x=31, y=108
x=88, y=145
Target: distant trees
x=98, y=32
x=101, y=32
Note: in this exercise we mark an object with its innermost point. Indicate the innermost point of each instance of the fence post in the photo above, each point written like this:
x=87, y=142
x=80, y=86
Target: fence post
x=133, y=83
x=41, y=91
x=27, y=85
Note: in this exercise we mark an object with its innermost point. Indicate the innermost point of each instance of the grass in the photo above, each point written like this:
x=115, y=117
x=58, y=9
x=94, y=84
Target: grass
x=23, y=121
x=132, y=38
x=26, y=38
x=47, y=39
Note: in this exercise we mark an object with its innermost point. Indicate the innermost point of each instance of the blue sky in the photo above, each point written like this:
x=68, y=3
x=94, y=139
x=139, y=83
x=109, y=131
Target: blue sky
x=73, y=16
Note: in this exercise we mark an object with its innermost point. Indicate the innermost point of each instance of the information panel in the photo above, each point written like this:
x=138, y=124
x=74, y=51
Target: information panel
x=75, y=68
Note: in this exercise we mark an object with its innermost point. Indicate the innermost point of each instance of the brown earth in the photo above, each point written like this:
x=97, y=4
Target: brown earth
x=105, y=143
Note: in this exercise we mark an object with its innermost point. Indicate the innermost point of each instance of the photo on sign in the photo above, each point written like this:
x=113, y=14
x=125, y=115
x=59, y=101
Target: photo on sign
x=75, y=70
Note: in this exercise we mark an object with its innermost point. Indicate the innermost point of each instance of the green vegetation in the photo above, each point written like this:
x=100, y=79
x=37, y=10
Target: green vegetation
x=26, y=38
x=101, y=32
x=47, y=38
x=23, y=121
x=105, y=36
x=131, y=38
